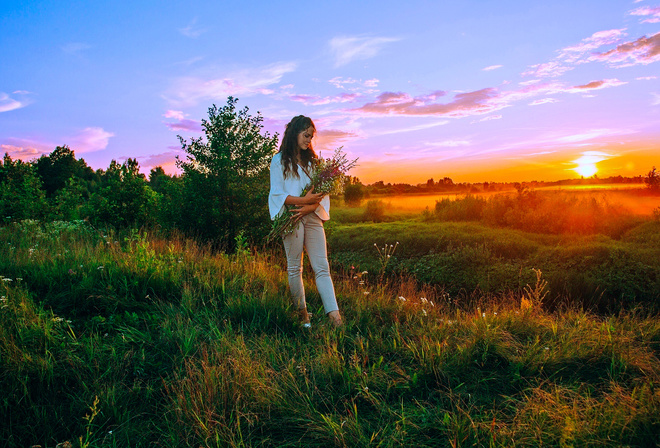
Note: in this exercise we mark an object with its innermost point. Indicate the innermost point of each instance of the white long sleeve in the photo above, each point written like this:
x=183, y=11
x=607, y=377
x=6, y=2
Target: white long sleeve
x=280, y=188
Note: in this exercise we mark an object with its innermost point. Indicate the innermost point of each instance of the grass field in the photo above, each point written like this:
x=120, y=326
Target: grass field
x=595, y=252
x=111, y=340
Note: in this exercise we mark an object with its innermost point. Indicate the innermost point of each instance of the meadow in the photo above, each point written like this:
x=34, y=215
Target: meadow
x=114, y=339
x=598, y=250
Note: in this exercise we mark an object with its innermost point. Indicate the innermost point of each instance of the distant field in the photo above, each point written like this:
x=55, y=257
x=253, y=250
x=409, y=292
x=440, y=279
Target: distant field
x=614, y=193
x=596, y=247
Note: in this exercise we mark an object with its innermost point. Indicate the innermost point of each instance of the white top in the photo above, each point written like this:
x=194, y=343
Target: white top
x=280, y=188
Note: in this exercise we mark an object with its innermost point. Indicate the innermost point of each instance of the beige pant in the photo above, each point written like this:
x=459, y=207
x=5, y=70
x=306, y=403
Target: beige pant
x=309, y=234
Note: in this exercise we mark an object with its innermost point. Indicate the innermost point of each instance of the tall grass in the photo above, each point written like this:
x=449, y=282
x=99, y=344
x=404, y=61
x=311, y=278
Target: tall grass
x=542, y=212
x=130, y=340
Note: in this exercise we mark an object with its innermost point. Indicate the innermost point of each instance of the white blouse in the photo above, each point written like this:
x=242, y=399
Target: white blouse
x=280, y=188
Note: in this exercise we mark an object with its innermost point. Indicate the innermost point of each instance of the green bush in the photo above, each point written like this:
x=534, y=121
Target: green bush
x=21, y=194
x=374, y=210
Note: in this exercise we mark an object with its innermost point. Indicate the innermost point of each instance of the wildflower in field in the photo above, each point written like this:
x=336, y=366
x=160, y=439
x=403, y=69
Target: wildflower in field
x=100, y=267
x=423, y=300
x=58, y=319
x=402, y=299
x=366, y=293
x=424, y=312
x=4, y=279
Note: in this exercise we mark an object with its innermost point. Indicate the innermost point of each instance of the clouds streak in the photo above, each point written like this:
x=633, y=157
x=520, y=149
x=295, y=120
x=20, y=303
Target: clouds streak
x=7, y=103
x=191, y=90
x=348, y=49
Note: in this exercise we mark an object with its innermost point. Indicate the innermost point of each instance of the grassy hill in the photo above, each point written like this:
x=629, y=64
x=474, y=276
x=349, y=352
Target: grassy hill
x=130, y=340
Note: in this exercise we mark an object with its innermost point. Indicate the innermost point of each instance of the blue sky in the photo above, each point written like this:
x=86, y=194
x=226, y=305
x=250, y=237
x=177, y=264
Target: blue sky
x=472, y=90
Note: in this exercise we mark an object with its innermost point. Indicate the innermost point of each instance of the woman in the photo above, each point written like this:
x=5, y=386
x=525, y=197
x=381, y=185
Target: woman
x=288, y=177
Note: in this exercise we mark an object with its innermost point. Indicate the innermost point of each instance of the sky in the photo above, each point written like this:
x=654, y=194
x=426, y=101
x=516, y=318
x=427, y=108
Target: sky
x=474, y=90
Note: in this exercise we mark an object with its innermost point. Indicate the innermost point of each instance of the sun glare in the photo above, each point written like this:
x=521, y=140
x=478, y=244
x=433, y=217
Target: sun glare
x=586, y=169
x=586, y=165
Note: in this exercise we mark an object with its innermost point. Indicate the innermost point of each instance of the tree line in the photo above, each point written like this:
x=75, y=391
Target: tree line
x=219, y=197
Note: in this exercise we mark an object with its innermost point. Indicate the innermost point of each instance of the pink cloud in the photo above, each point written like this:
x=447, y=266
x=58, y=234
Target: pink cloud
x=26, y=148
x=644, y=50
x=22, y=153
x=543, y=101
x=90, y=139
x=491, y=67
x=355, y=85
x=185, y=125
x=166, y=160
x=602, y=84
x=329, y=139
x=597, y=40
x=490, y=117
x=647, y=11
x=177, y=114
x=479, y=102
x=87, y=140
x=182, y=123
x=551, y=69
x=464, y=104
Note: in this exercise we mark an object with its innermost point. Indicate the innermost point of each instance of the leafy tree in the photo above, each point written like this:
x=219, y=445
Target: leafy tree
x=353, y=192
x=58, y=167
x=652, y=181
x=226, y=179
x=21, y=195
x=158, y=178
x=68, y=202
x=169, y=197
x=125, y=200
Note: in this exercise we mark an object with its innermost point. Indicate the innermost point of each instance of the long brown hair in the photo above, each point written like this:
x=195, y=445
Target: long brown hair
x=291, y=153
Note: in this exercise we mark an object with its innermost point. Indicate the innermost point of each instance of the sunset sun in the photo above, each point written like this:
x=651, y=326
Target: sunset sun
x=586, y=169
x=586, y=165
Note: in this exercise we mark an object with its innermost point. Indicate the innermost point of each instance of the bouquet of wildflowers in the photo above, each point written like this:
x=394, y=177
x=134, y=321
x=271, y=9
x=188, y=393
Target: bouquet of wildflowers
x=327, y=177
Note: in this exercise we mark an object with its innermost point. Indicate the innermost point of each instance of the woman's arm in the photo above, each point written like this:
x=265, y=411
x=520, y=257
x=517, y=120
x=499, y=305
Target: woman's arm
x=309, y=199
x=306, y=204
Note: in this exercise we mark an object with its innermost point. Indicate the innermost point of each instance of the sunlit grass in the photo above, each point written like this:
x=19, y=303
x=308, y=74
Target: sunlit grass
x=131, y=340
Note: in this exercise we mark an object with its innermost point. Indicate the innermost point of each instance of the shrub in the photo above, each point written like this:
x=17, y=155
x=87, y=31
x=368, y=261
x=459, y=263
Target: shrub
x=470, y=208
x=374, y=210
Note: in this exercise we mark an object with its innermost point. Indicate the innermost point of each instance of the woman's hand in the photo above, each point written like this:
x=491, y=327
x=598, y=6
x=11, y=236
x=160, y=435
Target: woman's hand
x=312, y=198
x=304, y=210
